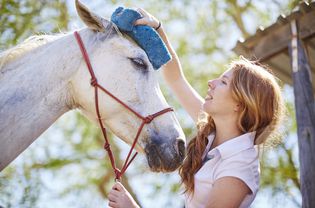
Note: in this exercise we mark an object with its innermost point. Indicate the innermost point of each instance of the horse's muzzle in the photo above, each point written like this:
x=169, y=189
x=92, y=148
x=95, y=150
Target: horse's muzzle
x=165, y=156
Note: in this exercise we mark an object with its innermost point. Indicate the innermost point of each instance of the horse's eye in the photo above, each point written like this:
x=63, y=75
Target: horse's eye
x=139, y=63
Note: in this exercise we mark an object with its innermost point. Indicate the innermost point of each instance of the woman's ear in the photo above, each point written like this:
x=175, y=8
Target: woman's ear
x=237, y=107
x=93, y=21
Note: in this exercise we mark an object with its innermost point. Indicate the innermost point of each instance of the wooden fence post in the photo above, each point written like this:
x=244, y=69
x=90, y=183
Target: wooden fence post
x=305, y=117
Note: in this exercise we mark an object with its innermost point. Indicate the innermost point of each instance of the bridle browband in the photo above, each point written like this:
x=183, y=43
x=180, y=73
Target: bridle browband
x=145, y=120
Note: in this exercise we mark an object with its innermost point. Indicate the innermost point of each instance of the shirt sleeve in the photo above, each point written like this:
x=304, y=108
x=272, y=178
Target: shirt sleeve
x=246, y=171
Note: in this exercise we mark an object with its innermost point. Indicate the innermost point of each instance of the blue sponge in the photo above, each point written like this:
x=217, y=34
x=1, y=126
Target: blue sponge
x=146, y=37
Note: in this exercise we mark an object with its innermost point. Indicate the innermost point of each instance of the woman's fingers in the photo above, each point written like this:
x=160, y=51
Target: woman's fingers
x=143, y=12
x=118, y=186
x=119, y=197
x=147, y=19
x=142, y=21
x=112, y=204
x=112, y=196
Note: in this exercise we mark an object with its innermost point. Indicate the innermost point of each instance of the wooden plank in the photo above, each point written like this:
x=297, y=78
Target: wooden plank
x=280, y=38
x=241, y=49
x=279, y=69
x=277, y=38
x=307, y=25
x=305, y=116
x=273, y=43
x=310, y=44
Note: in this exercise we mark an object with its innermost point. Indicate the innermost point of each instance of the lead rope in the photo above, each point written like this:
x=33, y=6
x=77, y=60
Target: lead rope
x=145, y=120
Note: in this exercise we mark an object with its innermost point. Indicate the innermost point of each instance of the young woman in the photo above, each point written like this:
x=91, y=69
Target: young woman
x=243, y=108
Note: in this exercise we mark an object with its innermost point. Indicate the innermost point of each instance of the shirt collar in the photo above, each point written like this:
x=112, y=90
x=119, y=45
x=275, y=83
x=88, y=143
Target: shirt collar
x=235, y=145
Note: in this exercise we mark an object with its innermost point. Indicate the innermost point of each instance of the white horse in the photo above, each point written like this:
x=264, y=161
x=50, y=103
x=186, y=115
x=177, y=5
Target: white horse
x=46, y=76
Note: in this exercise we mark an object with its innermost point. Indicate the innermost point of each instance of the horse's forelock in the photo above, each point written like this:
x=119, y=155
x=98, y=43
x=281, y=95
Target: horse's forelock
x=111, y=30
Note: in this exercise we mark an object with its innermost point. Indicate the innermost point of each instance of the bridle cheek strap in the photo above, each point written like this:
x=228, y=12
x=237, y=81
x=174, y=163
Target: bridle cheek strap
x=145, y=120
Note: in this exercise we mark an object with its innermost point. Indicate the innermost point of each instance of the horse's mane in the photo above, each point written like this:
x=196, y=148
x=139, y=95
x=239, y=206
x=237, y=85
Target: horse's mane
x=26, y=46
x=36, y=41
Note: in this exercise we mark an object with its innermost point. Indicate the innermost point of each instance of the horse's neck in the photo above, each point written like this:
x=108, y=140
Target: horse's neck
x=33, y=94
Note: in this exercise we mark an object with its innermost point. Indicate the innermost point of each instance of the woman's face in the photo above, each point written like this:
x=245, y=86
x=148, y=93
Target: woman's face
x=219, y=101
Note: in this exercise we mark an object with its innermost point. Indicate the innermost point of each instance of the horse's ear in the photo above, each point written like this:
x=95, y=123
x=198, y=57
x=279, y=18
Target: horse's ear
x=93, y=21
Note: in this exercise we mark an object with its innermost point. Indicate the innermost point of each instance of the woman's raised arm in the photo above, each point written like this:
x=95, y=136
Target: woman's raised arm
x=173, y=73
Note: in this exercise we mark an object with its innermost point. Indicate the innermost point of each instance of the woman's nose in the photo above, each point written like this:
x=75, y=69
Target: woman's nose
x=211, y=84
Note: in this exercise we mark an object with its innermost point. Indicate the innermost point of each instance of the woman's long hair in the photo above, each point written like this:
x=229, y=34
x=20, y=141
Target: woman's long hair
x=262, y=109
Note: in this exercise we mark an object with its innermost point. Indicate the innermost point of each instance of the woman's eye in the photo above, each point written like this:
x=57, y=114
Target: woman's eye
x=138, y=63
x=224, y=82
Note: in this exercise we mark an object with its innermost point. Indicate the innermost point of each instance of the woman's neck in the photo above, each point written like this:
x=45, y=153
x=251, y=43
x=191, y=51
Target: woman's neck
x=226, y=129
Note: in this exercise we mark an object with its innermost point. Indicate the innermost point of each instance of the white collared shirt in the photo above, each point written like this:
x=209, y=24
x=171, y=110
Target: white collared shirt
x=238, y=158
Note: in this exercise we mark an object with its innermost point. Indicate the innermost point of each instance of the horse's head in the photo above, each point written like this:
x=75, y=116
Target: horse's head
x=123, y=69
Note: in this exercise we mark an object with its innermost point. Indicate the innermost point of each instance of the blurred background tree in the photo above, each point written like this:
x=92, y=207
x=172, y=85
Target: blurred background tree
x=22, y=18
x=67, y=167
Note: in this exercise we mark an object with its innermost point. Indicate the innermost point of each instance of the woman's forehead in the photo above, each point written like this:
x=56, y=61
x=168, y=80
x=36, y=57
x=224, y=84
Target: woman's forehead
x=227, y=74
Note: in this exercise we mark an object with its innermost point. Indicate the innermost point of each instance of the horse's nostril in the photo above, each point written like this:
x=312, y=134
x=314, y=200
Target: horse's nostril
x=180, y=147
x=165, y=156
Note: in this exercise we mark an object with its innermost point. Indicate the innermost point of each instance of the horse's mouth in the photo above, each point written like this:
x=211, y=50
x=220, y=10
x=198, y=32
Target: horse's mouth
x=165, y=158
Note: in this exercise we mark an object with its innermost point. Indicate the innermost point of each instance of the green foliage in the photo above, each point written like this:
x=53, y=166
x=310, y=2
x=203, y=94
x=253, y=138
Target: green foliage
x=22, y=18
x=19, y=189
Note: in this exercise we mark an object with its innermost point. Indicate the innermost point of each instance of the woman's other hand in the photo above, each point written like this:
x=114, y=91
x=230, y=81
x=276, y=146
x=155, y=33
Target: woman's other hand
x=119, y=197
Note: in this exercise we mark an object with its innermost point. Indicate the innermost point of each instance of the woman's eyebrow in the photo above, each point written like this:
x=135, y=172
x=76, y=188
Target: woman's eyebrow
x=226, y=77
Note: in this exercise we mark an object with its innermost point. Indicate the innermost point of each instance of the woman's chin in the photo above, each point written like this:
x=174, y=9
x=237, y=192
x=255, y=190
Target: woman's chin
x=206, y=107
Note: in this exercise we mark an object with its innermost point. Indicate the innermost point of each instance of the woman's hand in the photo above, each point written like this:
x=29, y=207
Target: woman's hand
x=147, y=19
x=119, y=197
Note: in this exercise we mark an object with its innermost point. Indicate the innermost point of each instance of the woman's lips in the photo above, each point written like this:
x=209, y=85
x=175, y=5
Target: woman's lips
x=208, y=97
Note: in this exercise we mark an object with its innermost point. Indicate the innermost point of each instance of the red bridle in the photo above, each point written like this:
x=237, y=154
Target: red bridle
x=145, y=120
